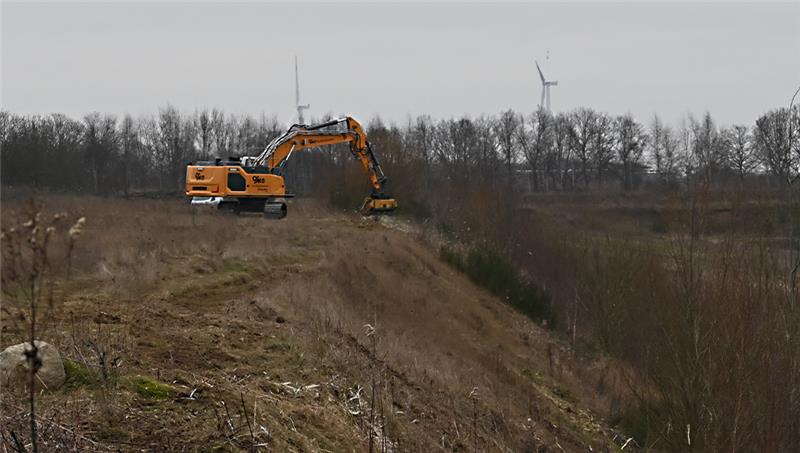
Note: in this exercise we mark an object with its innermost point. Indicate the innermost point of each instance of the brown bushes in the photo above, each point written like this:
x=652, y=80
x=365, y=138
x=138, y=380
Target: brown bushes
x=695, y=292
x=708, y=322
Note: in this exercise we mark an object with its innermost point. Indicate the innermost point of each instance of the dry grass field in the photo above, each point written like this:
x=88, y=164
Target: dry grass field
x=196, y=331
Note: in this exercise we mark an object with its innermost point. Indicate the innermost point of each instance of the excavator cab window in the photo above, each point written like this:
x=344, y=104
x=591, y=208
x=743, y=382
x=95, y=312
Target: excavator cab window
x=236, y=182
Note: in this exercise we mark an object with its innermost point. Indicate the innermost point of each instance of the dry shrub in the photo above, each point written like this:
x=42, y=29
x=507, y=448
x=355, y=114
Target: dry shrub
x=704, y=319
x=717, y=340
x=29, y=244
x=710, y=328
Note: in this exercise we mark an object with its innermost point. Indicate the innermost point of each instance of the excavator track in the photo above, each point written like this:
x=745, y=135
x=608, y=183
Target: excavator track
x=270, y=209
x=275, y=210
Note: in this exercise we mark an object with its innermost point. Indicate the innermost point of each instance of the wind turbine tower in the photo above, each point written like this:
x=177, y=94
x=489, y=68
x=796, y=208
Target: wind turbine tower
x=546, y=84
x=300, y=107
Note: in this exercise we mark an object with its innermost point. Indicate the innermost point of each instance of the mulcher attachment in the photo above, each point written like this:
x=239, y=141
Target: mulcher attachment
x=378, y=205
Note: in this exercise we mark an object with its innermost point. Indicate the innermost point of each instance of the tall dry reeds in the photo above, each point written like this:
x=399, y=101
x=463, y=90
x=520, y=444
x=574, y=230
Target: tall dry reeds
x=28, y=243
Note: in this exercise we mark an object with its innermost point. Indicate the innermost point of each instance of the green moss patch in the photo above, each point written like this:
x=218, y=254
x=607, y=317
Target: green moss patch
x=78, y=374
x=150, y=388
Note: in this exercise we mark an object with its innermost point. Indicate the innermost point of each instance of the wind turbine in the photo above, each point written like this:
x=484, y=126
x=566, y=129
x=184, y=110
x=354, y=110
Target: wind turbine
x=546, y=84
x=300, y=107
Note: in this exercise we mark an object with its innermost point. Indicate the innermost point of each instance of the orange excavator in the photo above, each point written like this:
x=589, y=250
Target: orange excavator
x=255, y=184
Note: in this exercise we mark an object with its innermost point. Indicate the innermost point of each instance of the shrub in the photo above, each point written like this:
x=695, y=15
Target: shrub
x=500, y=276
x=345, y=200
x=451, y=257
x=78, y=374
x=415, y=209
x=642, y=422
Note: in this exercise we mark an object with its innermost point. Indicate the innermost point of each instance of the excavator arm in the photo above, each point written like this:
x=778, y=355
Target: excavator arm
x=337, y=131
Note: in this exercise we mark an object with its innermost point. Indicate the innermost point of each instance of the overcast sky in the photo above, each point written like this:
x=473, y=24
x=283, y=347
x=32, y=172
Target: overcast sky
x=735, y=60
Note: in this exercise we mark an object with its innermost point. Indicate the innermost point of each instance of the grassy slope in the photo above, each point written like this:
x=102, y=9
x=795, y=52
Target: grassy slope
x=259, y=328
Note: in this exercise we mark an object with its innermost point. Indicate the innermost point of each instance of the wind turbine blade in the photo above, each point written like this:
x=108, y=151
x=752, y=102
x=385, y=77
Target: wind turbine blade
x=296, y=83
x=540, y=70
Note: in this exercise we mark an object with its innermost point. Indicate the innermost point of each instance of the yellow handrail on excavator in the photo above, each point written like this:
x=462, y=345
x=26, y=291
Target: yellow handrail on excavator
x=255, y=184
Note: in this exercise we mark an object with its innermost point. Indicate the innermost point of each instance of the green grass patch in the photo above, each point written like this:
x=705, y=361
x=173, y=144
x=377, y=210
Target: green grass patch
x=78, y=374
x=150, y=388
x=494, y=272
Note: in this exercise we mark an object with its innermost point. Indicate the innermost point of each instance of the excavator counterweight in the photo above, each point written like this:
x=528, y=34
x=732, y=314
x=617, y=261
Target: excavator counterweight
x=256, y=184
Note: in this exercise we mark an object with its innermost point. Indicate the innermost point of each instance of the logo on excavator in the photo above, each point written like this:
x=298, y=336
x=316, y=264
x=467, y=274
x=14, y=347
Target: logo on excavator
x=258, y=180
x=198, y=175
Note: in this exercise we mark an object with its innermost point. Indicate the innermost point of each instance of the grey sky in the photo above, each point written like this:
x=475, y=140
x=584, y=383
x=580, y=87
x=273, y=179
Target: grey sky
x=735, y=60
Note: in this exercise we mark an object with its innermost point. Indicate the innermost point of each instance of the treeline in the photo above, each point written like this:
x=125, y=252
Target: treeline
x=580, y=150
x=104, y=155
x=586, y=149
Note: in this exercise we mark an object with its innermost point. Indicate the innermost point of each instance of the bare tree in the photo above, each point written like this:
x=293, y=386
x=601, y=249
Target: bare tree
x=656, y=145
x=630, y=144
x=741, y=157
x=564, y=152
x=387, y=139
x=205, y=133
x=268, y=128
x=66, y=145
x=583, y=130
x=604, y=143
x=506, y=129
x=772, y=144
x=709, y=149
x=175, y=144
x=421, y=137
x=663, y=147
x=222, y=133
x=457, y=148
x=535, y=138
x=100, y=144
x=486, y=150
x=248, y=137
x=670, y=162
x=129, y=144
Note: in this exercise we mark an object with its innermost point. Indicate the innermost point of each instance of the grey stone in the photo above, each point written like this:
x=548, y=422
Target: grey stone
x=14, y=369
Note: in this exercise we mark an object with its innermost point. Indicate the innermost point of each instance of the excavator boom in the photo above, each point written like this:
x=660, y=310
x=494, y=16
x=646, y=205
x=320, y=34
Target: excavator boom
x=256, y=183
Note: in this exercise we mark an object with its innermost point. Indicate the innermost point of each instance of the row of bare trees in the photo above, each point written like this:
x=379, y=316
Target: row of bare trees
x=578, y=150
x=586, y=148
x=103, y=155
